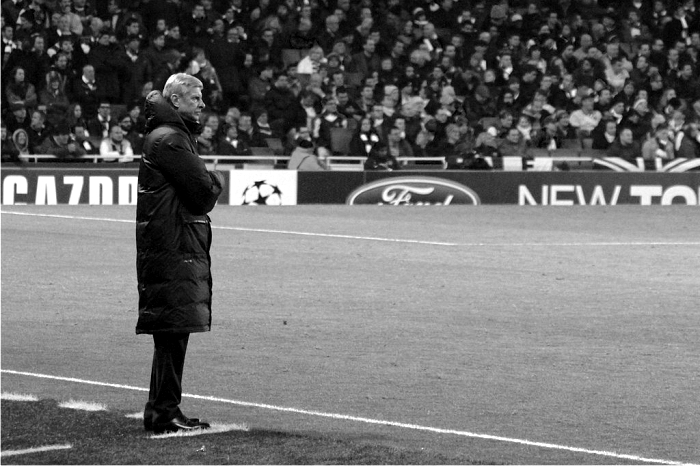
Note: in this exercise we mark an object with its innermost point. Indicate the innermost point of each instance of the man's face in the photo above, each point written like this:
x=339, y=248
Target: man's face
x=126, y=124
x=89, y=73
x=62, y=139
x=626, y=137
x=116, y=134
x=367, y=92
x=395, y=135
x=282, y=82
x=105, y=110
x=610, y=128
x=377, y=112
x=189, y=104
x=513, y=136
x=342, y=98
x=245, y=123
x=369, y=46
x=37, y=121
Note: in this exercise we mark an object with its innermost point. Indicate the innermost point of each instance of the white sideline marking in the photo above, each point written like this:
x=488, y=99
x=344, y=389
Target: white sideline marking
x=214, y=429
x=389, y=240
x=35, y=450
x=83, y=405
x=365, y=420
x=18, y=397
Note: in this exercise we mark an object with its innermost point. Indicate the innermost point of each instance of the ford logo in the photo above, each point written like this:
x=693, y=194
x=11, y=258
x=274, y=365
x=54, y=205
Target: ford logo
x=420, y=190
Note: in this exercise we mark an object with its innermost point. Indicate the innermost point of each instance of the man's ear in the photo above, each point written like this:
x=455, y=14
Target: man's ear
x=175, y=100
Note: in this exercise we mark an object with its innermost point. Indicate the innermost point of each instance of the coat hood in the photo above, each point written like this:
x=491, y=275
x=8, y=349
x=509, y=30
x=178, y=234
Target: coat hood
x=159, y=112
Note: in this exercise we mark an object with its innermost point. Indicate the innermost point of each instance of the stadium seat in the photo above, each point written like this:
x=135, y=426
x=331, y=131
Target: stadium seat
x=262, y=151
x=275, y=144
x=340, y=140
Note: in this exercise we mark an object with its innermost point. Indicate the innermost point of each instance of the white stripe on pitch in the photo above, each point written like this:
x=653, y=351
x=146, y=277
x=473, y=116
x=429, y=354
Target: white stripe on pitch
x=345, y=417
x=35, y=450
x=391, y=240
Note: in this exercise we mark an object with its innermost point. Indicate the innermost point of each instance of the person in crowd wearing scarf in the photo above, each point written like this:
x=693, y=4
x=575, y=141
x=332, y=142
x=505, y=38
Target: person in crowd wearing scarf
x=364, y=138
x=114, y=148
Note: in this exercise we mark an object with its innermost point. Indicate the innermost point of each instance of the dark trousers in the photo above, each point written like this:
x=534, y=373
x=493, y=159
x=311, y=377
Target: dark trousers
x=166, y=378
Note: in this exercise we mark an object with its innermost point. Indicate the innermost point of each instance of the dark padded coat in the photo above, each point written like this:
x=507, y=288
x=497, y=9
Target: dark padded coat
x=173, y=231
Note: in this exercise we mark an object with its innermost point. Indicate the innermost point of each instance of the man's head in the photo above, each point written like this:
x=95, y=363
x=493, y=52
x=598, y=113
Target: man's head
x=184, y=93
x=38, y=119
x=104, y=110
x=116, y=133
x=611, y=127
x=626, y=136
x=513, y=136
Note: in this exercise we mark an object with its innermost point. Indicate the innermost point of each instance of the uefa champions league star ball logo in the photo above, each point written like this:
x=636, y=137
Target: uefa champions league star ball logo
x=262, y=193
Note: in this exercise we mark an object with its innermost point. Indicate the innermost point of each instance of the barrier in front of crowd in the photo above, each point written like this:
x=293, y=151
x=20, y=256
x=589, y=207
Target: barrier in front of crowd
x=117, y=184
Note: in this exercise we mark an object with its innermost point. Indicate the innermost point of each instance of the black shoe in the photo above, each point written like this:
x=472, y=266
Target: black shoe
x=179, y=423
x=193, y=421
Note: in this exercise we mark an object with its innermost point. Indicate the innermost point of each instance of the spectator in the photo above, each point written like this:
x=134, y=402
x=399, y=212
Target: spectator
x=396, y=143
x=381, y=159
x=604, y=134
x=367, y=61
x=114, y=148
x=82, y=138
x=206, y=144
x=131, y=134
x=364, y=138
x=201, y=68
x=585, y=119
x=20, y=145
x=328, y=119
x=85, y=92
x=283, y=110
x=311, y=63
x=61, y=144
x=107, y=60
x=19, y=90
x=138, y=69
x=232, y=144
x=303, y=157
x=53, y=99
x=625, y=146
x=75, y=25
x=18, y=119
x=37, y=130
x=330, y=34
x=513, y=145
x=687, y=142
x=659, y=146
x=7, y=146
x=248, y=132
x=99, y=126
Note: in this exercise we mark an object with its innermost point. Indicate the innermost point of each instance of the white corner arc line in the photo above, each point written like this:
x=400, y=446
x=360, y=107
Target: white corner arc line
x=344, y=417
x=27, y=451
x=388, y=240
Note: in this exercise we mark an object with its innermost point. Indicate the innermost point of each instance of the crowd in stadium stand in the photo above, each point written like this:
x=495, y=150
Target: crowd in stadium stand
x=383, y=79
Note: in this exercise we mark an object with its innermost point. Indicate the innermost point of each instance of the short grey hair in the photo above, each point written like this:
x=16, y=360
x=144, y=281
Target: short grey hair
x=180, y=83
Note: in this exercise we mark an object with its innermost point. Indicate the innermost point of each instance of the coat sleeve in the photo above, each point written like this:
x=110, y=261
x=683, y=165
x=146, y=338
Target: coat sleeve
x=196, y=187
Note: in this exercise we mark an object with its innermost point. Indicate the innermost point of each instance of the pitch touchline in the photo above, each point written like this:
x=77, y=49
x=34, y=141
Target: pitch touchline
x=345, y=417
x=389, y=240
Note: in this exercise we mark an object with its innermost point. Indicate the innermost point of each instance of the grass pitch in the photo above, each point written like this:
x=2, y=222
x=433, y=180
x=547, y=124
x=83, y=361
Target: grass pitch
x=567, y=327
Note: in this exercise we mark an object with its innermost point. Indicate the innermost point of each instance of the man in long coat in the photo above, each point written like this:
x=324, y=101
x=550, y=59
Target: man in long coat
x=173, y=238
